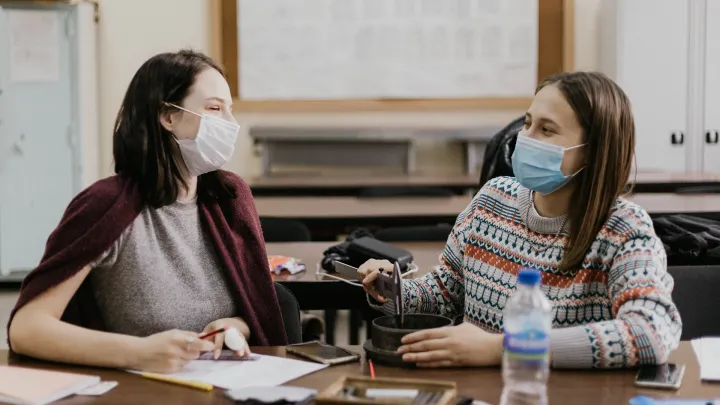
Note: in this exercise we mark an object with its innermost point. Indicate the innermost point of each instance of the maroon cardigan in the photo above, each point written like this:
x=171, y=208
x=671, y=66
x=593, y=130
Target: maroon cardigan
x=98, y=215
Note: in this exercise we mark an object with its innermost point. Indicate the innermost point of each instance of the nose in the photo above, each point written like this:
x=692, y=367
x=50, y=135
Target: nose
x=529, y=132
x=228, y=116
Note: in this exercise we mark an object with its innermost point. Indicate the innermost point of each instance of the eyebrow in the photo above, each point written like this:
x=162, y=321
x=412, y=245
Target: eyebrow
x=542, y=119
x=218, y=99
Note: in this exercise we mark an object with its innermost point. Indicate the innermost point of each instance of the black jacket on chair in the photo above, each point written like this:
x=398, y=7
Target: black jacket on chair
x=497, y=158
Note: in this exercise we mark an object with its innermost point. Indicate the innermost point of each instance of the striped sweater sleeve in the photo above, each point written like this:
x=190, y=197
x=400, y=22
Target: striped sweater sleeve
x=646, y=327
x=442, y=290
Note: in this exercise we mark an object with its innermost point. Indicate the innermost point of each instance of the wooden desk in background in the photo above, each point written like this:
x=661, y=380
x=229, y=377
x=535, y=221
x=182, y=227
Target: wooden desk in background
x=314, y=184
x=588, y=387
x=328, y=294
x=329, y=216
x=317, y=292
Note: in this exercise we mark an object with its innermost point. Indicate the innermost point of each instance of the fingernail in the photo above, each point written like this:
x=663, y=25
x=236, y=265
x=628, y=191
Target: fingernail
x=401, y=349
x=217, y=354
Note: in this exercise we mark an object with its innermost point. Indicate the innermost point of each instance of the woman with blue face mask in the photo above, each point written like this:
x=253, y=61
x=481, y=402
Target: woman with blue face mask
x=602, y=267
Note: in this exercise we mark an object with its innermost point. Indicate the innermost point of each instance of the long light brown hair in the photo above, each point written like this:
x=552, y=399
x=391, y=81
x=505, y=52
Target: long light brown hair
x=605, y=115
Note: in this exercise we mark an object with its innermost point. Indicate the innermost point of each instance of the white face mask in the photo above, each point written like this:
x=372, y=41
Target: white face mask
x=212, y=147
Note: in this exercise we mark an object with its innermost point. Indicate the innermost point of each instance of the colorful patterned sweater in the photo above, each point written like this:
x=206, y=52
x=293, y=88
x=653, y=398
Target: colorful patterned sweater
x=615, y=311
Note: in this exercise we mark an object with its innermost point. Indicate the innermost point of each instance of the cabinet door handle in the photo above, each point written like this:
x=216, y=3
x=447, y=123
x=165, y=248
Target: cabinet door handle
x=677, y=138
x=712, y=137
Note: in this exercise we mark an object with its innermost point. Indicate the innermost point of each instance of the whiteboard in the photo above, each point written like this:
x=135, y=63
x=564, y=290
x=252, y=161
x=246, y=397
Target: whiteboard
x=375, y=49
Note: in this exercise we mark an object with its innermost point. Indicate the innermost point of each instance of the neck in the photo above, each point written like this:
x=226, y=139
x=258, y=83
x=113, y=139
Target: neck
x=191, y=191
x=555, y=204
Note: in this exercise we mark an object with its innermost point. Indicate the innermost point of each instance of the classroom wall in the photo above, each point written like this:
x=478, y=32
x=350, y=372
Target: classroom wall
x=130, y=31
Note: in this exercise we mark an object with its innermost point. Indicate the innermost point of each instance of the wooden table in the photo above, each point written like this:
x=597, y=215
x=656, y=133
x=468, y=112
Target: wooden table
x=588, y=387
x=329, y=216
x=314, y=184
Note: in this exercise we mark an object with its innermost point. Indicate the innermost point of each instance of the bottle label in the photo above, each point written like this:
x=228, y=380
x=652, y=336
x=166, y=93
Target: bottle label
x=527, y=346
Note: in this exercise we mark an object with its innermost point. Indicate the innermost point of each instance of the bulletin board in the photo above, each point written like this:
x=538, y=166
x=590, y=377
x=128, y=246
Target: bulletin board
x=360, y=55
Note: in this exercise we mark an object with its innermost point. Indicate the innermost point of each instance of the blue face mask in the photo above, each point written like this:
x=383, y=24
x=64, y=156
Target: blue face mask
x=536, y=165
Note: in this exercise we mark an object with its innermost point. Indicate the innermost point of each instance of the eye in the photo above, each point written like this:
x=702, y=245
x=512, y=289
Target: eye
x=526, y=124
x=547, y=129
x=215, y=108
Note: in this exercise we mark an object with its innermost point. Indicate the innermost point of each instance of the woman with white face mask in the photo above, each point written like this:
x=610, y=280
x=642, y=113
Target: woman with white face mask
x=602, y=266
x=170, y=247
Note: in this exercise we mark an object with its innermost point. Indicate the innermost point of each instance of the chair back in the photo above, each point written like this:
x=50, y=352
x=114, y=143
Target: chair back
x=290, y=310
x=498, y=153
x=284, y=230
x=697, y=299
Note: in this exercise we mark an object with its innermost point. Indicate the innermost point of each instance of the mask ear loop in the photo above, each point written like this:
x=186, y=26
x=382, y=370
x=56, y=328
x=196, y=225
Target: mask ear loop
x=320, y=274
x=182, y=108
x=572, y=176
x=576, y=146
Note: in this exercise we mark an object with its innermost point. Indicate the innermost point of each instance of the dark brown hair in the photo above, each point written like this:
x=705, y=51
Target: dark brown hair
x=143, y=149
x=605, y=115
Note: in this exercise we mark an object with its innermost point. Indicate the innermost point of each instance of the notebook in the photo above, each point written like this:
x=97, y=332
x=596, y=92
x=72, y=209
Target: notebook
x=27, y=386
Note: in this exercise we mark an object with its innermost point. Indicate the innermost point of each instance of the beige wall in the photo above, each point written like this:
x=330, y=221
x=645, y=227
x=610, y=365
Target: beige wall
x=131, y=31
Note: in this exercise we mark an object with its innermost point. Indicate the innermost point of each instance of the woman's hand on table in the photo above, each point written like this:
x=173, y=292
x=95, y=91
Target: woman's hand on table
x=235, y=340
x=168, y=352
x=452, y=346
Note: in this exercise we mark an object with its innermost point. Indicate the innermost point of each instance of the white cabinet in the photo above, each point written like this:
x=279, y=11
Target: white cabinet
x=665, y=54
x=711, y=137
x=48, y=125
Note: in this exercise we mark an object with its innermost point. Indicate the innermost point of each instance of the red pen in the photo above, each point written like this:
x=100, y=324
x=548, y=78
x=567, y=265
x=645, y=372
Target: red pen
x=213, y=333
x=372, y=369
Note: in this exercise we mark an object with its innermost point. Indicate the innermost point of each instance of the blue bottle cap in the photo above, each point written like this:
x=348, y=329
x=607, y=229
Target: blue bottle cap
x=528, y=276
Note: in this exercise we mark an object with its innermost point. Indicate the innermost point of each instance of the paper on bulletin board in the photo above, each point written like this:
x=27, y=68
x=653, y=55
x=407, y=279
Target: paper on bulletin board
x=34, y=42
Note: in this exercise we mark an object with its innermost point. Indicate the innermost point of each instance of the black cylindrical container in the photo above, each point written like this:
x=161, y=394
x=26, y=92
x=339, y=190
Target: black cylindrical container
x=387, y=333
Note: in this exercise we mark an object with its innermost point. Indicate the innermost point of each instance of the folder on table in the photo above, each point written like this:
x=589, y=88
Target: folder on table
x=28, y=386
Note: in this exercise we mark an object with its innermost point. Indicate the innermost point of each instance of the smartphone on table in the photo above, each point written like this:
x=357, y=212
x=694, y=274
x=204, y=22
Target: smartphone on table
x=321, y=352
x=667, y=376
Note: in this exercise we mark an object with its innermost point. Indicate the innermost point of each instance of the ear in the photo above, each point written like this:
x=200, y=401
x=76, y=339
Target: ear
x=168, y=119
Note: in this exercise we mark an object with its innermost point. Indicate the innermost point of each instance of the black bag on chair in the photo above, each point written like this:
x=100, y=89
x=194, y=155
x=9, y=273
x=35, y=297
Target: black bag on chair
x=498, y=153
x=689, y=240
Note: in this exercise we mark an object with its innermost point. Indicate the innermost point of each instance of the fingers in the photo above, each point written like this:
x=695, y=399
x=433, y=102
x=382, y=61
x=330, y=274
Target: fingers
x=427, y=334
x=369, y=286
x=373, y=265
x=219, y=341
x=423, y=346
x=243, y=352
x=433, y=356
x=175, y=365
x=436, y=364
x=191, y=343
x=368, y=273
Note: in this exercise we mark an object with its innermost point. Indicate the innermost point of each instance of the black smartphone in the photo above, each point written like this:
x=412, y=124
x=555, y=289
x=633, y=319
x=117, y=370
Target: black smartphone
x=324, y=353
x=668, y=376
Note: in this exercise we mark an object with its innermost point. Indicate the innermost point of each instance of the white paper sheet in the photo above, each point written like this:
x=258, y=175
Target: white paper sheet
x=34, y=42
x=267, y=371
x=350, y=49
x=707, y=351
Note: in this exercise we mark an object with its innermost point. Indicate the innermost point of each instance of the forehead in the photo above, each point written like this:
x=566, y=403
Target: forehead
x=550, y=103
x=208, y=84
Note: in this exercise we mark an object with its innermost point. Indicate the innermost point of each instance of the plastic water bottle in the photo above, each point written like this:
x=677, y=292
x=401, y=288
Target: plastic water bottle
x=527, y=323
